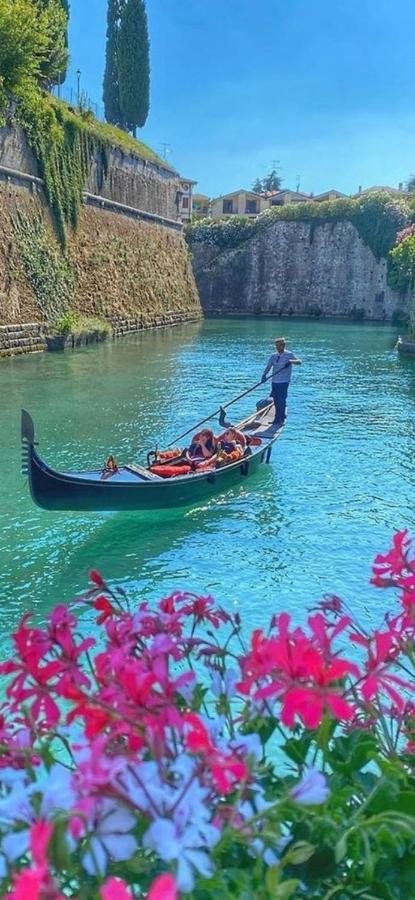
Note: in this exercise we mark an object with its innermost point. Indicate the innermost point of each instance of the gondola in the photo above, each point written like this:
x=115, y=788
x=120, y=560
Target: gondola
x=134, y=487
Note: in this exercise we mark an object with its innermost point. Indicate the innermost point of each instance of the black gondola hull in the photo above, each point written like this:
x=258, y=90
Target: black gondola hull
x=84, y=491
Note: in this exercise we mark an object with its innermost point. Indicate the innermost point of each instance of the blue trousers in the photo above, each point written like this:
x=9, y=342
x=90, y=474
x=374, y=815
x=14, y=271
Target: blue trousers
x=279, y=396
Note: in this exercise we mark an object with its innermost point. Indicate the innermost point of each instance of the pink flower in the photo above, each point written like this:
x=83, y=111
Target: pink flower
x=390, y=564
x=35, y=883
x=227, y=770
x=27, y=885
x=115, y=889
x=97, y=579
x=302, y=673
x=163, y=888
x=382, y=649
x=103, y=605
x=203, y=609
x=40, y=835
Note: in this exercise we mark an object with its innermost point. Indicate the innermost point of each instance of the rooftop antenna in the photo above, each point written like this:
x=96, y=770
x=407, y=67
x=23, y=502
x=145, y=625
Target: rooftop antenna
x=298, y=183
x=165, y=149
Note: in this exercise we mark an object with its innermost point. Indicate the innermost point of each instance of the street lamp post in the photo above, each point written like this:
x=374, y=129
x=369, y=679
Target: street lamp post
x=78, y=89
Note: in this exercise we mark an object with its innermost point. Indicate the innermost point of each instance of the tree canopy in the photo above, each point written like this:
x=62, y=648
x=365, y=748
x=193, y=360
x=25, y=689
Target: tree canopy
x=271, y=182
x=32, y=42
x=55, y=67
x=127, y=70
x=111, y=91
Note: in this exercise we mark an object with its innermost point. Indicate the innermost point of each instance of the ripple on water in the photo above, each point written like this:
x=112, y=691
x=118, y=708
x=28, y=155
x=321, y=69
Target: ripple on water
x=341, y=479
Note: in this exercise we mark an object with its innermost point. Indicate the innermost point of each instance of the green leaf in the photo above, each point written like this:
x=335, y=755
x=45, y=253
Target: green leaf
x=287, y=889
x=353, y=751
x=406, y=803
x=340, y=849
x=299, y=853
x=297, y=748
x=272, y=879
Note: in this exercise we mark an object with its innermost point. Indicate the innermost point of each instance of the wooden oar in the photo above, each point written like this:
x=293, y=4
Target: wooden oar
x=217, y=411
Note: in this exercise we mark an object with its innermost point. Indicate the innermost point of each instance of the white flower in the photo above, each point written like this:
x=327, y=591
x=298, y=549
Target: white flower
x=312, y=789
x=188, y=846
x=110, y=838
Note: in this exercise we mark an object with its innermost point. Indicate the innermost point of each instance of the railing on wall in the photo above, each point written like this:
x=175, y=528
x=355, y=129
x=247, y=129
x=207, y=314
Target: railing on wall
x=35, y=183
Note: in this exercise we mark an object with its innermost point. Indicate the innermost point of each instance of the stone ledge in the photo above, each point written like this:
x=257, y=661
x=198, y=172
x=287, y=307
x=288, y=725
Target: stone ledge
x=25, y=338
x=165, y=320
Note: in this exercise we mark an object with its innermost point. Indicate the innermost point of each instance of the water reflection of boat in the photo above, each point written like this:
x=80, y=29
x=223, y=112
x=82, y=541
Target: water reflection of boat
x=135, y=487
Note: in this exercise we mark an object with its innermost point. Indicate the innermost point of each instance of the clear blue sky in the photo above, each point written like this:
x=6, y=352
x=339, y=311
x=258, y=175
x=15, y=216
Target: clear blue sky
x=327, y=87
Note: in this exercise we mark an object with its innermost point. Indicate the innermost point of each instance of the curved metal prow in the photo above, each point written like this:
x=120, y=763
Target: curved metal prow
x=28, y=439
x=27, y=427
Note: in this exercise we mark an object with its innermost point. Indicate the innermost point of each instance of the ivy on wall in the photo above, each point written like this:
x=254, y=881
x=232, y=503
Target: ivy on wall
x=63, y=145
x=49, y=272
x=377, y=217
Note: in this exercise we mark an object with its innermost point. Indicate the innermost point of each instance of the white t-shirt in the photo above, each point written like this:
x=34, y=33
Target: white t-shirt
x=281, y=368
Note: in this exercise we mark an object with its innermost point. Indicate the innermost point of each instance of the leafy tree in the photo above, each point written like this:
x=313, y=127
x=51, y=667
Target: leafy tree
x=133, y=64
x=271, y=182
x=55, y=66
x=411, y=184
x=111, y=88
x=28, y=42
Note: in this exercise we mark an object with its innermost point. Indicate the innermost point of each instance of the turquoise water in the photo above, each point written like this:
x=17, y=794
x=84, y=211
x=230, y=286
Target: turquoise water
x=341, y=480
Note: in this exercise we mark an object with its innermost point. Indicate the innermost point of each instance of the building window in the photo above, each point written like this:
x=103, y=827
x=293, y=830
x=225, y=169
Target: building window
x=185, y=203
x=227, y=207
x=251, y=206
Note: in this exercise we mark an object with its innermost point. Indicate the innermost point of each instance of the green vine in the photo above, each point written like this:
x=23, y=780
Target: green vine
x=63, y=145
x=49, y=272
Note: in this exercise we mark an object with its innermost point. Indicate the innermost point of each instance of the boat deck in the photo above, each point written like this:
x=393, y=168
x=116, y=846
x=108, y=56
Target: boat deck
x=131, y=474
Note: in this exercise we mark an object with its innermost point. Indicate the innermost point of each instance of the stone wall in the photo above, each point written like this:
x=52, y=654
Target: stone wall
x=128, y=179
x=26, y=338
x=133, y=272
x=135, y=182
x=15, y=152
x=297, y=269
x=124, y=269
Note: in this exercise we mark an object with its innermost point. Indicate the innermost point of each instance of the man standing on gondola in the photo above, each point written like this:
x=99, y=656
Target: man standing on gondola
x=281, y=364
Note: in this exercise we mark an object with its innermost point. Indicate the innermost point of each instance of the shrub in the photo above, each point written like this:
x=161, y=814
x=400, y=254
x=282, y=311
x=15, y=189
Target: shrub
x=32, y=42
x=377, y=217
x=74, y=323
x=277, y=768
x=65, y=324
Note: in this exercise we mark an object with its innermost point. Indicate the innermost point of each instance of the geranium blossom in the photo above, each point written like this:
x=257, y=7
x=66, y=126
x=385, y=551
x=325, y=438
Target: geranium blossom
x=186, y=843
x=303, y=673
x=163, y=888
x=109, y=837
x=312, y=789
x=158, y=743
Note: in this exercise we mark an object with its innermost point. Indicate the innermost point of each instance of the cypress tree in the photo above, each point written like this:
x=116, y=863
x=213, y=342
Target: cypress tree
x=134, y=64
x=111, y=89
